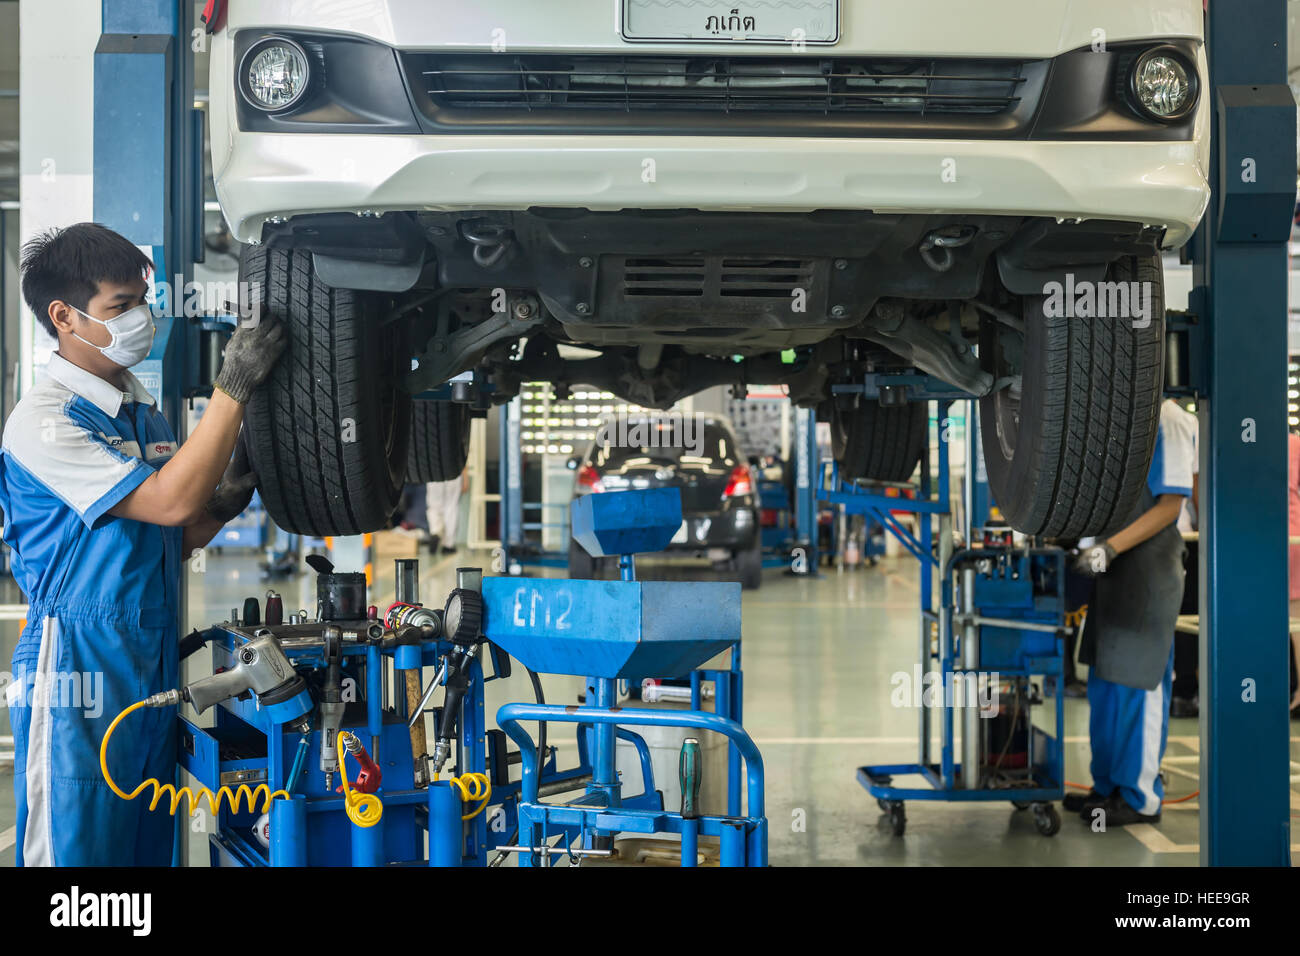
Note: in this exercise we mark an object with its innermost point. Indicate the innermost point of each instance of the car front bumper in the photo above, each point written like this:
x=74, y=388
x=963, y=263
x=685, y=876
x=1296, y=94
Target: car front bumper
x=265, y=175
x=1072, y=157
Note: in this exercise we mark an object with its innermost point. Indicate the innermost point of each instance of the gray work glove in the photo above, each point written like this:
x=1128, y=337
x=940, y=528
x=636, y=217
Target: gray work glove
x=236, y=488
x=1094, y=560
x=250, y=355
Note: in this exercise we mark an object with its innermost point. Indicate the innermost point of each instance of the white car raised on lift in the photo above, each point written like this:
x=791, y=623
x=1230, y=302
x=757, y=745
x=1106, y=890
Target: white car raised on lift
x=810, y=194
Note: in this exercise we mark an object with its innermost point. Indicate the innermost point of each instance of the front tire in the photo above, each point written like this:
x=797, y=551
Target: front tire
x=327, y=432
x=1067, y=454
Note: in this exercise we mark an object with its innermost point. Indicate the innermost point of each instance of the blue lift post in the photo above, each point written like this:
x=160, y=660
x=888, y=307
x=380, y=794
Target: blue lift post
x=805, y=491
x=978, y=501
x=515, y=552
x=510, y=510
x=148, y=181
x=1240, y=296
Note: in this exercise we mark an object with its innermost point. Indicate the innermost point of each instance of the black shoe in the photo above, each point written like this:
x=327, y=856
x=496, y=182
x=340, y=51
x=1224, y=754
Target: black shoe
x=1184, y=707
x=1076, y=689
x=449, y=550
x=1120, y=814
x=433, y=544
x=1082, y=803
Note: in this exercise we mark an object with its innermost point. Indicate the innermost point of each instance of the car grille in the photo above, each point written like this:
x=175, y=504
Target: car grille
x=699, y=276
x=639, y=84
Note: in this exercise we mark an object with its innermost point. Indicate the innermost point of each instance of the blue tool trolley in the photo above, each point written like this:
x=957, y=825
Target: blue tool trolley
x=246, y=745
x=1001, y=625
x=611, y=630
x=607, y=630
x=1000, y=622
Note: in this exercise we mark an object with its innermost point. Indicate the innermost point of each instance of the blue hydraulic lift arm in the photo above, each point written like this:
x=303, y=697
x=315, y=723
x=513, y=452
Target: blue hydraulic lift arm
x=1240, y=295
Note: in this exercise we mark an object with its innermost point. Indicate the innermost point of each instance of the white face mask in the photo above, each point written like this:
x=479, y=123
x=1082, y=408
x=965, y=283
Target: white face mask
x=132, y=333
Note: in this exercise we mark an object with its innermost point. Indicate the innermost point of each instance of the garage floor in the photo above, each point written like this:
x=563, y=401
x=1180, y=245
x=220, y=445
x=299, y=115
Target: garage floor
x=818, y=659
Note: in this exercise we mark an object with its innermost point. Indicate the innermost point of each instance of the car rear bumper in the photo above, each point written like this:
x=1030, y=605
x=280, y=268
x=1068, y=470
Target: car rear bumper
x=264, y=175
x=734, y=529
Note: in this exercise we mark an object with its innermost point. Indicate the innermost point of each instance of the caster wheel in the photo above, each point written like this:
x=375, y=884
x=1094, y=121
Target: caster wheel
x=1020, y=804
x=883, y=804
x=1046, y=818
x=897, y=818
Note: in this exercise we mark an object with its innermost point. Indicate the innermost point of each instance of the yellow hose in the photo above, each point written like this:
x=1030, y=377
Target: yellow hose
x=479, y=787
x=235, y=797
x=363, y=809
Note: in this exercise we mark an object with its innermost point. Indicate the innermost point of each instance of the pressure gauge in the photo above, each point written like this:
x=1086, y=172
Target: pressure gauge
x=463, y=616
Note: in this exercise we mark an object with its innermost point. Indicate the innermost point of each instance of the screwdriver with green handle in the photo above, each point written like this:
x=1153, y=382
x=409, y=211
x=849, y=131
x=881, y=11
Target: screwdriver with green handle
x=688, y=769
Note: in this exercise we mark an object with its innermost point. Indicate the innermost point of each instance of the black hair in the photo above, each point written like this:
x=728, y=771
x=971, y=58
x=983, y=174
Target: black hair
x=68, y=265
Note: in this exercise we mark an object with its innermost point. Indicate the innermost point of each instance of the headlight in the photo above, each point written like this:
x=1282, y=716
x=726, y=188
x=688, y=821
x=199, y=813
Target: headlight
x=1163, y=84
x=274, y=74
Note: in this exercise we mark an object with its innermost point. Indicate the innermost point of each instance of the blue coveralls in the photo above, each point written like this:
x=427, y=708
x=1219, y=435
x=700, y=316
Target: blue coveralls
x=103, y=621
x=1128, y=637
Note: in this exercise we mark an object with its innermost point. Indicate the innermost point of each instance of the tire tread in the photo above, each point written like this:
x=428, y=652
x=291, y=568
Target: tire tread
x=1100, y=412
x=311, y=480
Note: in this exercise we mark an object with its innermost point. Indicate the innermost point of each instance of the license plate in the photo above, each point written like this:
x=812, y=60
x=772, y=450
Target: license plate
x=680, y=536
x=723, y=21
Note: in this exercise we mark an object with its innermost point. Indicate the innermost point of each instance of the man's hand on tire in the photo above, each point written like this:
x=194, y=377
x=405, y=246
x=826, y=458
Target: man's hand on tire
x=235, y=491
x=250, y=355
x=1094, y=560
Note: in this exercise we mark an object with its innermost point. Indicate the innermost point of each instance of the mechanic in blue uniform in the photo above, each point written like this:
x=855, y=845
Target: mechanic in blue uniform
x=1128, y=636
x=99, y=506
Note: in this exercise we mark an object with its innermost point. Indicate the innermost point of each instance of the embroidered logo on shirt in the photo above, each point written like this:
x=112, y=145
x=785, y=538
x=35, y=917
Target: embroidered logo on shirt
x=118, y=443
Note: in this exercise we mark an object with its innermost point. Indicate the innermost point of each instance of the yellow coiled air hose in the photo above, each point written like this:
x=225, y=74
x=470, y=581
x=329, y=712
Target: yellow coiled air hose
x=472, y=786
x=235, y=797
x=363, y=809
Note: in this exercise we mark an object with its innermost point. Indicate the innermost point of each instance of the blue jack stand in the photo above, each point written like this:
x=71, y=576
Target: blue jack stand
x=612, y=630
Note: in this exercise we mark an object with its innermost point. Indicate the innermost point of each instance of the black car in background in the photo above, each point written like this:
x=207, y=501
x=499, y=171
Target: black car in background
x=698, y=454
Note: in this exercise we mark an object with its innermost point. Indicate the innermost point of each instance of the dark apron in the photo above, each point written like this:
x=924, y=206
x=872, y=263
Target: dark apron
x=1130, y=625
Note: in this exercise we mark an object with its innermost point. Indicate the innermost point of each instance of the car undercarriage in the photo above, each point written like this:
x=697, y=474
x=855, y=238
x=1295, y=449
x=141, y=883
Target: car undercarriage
x=656, y=305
